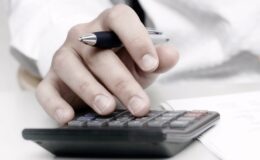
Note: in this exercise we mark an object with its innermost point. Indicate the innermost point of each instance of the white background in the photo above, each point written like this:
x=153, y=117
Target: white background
x=8, y=65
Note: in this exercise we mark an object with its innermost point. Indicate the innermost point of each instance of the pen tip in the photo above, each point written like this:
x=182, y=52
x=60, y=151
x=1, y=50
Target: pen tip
x=89, y=39
x=80, y=39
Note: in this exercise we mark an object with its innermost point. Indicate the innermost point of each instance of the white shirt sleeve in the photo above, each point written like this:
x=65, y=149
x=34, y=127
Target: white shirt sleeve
x=38, y=28
x=207, y=33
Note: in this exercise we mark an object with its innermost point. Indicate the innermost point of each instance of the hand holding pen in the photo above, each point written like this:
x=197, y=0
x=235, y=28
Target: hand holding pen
x=85, y=76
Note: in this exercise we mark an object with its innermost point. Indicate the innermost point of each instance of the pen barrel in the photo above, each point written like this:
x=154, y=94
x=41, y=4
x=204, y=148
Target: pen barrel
x=107, y=40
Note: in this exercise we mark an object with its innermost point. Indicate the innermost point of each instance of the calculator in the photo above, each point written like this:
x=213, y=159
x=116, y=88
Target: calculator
x=121, y=135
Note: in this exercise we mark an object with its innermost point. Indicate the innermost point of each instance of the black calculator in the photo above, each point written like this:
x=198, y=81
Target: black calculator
x=158, y=134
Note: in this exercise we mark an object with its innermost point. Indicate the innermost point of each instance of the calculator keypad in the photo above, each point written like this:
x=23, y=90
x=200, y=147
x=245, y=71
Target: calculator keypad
x=172, y=120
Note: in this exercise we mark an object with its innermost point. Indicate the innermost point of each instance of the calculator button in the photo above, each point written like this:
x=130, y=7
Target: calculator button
x=179, y=124
x=96, y=123
x=191, y=119
x=156, y=123
x=126, y=113
x=90, y=115
x=164, y=118
x=194, y=114
x=170, y=114
x=136, y=123
x=173, y=114
x=75, y=123
x=116, y=114
x=154, y=113
x=103, y=119
x=84, y=118
x=123, y=119
x=139, y=122
x=142, y=119
x=200, y=111
x=120, y=121
x=151, y=114
x=116, y=124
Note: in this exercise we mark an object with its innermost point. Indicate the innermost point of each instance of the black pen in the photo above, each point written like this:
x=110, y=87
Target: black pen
x=108, y=39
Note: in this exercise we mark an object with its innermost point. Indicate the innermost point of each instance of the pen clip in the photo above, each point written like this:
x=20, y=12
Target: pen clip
x=154, y=31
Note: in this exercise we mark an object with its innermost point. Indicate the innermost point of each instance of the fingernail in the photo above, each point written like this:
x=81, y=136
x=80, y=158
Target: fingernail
x=149, y=62
x=136, y=104
x=102, y=103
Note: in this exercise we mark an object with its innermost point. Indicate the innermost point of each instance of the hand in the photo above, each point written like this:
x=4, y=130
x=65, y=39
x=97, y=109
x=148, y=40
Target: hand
x=81, y=74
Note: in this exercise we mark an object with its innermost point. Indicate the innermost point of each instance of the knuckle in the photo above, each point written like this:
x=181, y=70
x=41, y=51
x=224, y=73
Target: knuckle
x=46, y=102
x=38, y=91
x=122, y=8
x=117, y=11
x=89, y=59
x=58, y=60
x=84, y=87
x=75, y=31
x=122, y=87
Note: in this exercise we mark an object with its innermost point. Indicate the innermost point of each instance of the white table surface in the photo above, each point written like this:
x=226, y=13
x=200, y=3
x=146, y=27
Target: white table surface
x=20, y=110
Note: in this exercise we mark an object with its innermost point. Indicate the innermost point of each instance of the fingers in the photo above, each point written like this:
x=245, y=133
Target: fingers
x=110, y=70
x=53, y=103
x=126, y=24
x=168, y=58
x=94, y=75
x=74, y=74
x=106, y=67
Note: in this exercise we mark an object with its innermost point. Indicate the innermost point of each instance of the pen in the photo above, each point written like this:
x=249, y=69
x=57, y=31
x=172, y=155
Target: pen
x=108, y=39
